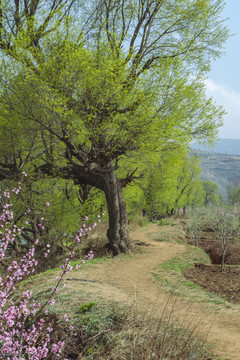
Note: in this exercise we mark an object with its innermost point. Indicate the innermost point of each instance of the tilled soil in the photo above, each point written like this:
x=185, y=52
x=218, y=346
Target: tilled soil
x=223, y=282
x=131, y=278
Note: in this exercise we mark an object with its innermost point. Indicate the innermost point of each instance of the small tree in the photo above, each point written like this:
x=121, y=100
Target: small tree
x=234, y=195
x=212, y=195
x=224, y=222
x=196, y=225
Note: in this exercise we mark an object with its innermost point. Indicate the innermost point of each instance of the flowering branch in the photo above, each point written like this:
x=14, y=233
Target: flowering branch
x=23, y=330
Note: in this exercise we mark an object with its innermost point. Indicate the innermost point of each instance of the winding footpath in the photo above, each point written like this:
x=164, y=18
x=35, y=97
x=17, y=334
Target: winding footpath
x=130, y=279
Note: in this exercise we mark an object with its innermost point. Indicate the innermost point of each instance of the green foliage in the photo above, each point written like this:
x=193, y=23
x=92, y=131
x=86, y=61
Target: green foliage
x=189, y=188
x=164, y=222
x=173, y=184
x=160, y=185
x=97, y=89
x=212, y=196
x=83, y=309
x=90, y=91
x=234, y=195
x=133, y=196
x=62, y=218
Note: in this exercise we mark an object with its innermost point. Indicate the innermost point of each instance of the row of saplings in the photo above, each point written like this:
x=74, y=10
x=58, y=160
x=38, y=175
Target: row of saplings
x=224, y=221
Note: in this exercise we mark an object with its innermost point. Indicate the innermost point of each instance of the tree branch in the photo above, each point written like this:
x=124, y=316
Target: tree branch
x=130, y=178
x=79, y=174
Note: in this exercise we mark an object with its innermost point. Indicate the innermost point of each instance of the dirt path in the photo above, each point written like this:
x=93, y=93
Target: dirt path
x=130, y=279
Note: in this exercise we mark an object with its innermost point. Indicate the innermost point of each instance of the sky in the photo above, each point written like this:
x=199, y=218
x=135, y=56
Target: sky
x=223, y=82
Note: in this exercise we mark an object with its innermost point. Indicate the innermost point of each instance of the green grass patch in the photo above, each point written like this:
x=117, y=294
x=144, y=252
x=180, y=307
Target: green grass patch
x=52, y=272
x=164, y=222
x=160, y=239
x=170, y=275
x=92, y=261
x=138, y=220
x=186, y=260
x=109, y=329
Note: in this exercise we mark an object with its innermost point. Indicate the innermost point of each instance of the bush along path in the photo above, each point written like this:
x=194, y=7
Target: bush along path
x=129, y=279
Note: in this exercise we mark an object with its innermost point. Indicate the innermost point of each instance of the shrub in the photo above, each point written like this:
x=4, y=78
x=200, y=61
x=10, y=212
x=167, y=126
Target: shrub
x=24, y=329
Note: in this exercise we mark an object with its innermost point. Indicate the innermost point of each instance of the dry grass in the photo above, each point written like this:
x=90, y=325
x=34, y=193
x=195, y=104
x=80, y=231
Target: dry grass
x=110, y=330
x=134, y=333
x=146, y=337
x=171, y=231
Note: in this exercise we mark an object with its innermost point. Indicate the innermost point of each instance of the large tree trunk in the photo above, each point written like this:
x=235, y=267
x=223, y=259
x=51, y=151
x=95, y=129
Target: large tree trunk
x=118, y=234
x=107, y=181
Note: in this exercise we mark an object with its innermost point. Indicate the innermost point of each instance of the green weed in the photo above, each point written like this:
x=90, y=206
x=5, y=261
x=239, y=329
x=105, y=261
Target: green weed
x=164, y=222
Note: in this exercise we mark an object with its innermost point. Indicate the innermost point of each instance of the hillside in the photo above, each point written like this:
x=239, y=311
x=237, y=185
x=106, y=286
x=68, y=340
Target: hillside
x=220, y=163
x=222, y=169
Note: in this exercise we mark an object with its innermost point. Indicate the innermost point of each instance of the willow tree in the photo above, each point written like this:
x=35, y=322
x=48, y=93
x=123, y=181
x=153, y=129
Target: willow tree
x=173, y=184
x=110, y=80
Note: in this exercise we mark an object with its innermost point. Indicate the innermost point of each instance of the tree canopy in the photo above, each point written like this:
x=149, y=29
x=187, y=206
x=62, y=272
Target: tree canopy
x=85, y=86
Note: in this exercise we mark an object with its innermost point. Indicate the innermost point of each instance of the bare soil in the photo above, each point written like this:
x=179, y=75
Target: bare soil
x=129, y=279
x=223, y=282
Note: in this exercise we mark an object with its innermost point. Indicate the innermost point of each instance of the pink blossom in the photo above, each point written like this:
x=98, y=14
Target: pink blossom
x=12, y=316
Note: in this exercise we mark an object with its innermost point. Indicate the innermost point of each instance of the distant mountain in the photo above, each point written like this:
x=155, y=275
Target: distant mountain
x=220, y=163
x=220, y=168
x=222, y=146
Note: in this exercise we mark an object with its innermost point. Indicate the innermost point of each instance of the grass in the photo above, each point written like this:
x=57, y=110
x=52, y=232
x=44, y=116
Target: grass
x=170, y=275
x=164, y=222
x=170, y=231
x=149, y=337
x=109, y=330
x=92, y=261
x=136, y=220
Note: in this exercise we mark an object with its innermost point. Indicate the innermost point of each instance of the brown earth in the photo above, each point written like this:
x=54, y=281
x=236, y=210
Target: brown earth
x=129, y=279
x=223, y=282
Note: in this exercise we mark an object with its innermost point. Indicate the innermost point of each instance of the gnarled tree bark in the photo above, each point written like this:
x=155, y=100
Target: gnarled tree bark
x=118, y=233
x=106, y=180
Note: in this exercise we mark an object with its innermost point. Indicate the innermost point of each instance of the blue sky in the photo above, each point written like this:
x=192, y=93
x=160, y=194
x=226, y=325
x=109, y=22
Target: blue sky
x=223, y=83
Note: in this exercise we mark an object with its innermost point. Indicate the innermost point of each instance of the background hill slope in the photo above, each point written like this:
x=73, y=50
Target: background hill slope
x=220, y=163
